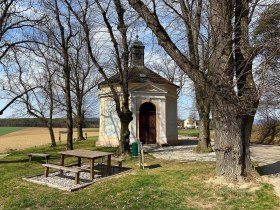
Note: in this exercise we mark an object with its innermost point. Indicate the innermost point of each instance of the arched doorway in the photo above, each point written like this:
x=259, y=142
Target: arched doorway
x=147, y=123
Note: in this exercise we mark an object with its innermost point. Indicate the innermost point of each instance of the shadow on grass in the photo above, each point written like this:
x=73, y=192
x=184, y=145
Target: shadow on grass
x=153, y=166
x=269, y=169
x=25, y=160
x=14, y=161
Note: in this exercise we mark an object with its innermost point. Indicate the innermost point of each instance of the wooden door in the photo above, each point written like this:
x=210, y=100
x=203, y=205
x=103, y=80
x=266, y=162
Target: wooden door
x=147, y=123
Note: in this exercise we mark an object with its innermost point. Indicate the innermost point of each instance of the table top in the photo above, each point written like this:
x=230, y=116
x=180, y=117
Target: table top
x=85, y=153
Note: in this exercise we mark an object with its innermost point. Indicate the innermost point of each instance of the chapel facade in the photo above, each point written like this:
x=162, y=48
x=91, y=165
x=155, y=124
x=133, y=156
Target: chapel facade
x=153, y=102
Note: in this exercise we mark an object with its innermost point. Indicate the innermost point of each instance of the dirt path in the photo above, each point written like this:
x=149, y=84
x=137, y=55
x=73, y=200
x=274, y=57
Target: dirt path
x=31, y=137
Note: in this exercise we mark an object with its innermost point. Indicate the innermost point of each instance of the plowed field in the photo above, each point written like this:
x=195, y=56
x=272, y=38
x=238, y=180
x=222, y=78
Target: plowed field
x=30, y=137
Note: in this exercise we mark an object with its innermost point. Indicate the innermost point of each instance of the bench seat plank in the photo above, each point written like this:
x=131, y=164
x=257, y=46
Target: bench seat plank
x=39, y=154
x=46, y=156
x=64, y=168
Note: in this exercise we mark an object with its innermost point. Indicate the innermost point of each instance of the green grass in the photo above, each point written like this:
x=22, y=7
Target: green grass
x=6, y=130
x=189, y=132
x=170, y=186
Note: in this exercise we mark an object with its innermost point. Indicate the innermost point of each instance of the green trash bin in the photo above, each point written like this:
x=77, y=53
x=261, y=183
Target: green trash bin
x=134, y=149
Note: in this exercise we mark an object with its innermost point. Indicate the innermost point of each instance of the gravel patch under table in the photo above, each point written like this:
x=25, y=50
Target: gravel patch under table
x=65, y=181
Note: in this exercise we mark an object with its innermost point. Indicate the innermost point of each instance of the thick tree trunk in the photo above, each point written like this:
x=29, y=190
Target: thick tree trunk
x=232, y=138
x=203, y=108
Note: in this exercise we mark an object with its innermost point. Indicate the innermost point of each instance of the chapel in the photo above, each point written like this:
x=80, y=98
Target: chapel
x=153, y=101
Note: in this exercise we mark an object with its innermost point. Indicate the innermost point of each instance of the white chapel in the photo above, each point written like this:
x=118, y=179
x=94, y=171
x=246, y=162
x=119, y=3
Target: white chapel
x=153, y=102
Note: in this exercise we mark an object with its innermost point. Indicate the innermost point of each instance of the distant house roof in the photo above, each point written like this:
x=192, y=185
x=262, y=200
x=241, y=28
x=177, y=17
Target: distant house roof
x=140, y=74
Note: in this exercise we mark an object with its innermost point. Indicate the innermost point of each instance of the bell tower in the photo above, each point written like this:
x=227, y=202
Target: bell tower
x=137, y=53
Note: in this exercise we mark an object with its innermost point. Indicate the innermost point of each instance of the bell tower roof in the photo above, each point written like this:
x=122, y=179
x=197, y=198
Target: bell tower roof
x=137, y=42
x=137, y=53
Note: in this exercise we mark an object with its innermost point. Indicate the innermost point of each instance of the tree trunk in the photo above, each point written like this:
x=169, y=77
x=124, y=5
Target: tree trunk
x=80, y=122
x=125, y=119
x=232, y=138
x=203, y=108
x=53, y=142
x=69, y=118
x=50, y=120
x=80, y=135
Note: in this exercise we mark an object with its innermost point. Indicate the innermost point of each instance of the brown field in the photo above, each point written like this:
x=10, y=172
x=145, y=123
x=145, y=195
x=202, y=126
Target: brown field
x=30, y=137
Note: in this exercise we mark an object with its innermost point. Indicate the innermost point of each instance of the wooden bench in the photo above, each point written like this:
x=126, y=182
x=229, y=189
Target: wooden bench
x=63, y=168
x=46, y=156
x=119, y=160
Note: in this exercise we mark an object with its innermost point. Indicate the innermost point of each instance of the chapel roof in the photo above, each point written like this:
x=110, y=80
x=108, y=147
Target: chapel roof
x=140, y=74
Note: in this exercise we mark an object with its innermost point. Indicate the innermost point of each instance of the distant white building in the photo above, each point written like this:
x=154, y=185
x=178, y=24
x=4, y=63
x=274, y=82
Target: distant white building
x=191, y=123
x=153, y=101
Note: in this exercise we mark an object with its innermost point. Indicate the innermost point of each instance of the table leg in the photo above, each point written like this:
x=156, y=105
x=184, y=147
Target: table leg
x=79, y=161
x=109, y=165
x=91, y=169
x=61, y=162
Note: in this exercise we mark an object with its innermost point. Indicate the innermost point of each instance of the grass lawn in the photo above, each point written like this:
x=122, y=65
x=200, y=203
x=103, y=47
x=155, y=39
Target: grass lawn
x=189, y=132
x=6, y=130
x=172, y=185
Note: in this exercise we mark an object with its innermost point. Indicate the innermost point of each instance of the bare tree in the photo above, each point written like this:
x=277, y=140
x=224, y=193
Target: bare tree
x=57, y=35
x=111, y=12
x=230, y=67
x=266, y=36
x=14, y=22
x=169, y=70
x=84, y=79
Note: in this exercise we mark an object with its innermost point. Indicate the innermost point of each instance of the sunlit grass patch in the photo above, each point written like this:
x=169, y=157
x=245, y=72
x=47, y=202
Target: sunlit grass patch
x=6, y=130
x=189, y=132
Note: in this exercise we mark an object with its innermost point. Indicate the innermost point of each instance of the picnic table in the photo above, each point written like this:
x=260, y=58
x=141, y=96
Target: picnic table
x=87, y=154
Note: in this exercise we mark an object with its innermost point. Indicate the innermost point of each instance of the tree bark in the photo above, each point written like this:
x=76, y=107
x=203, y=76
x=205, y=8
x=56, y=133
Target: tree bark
x=69, y=118
x=203, y=108
x=232, y=138
x=53, y=142
x=125, y=119
x=80, y=120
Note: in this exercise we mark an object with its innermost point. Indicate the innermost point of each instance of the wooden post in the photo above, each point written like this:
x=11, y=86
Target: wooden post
x=91, y=169
x=61, y=162
x=47, y=158
x=79, y=161
x=46, y=171
x=109, y=165
x=77, y=178
x=120, y=165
